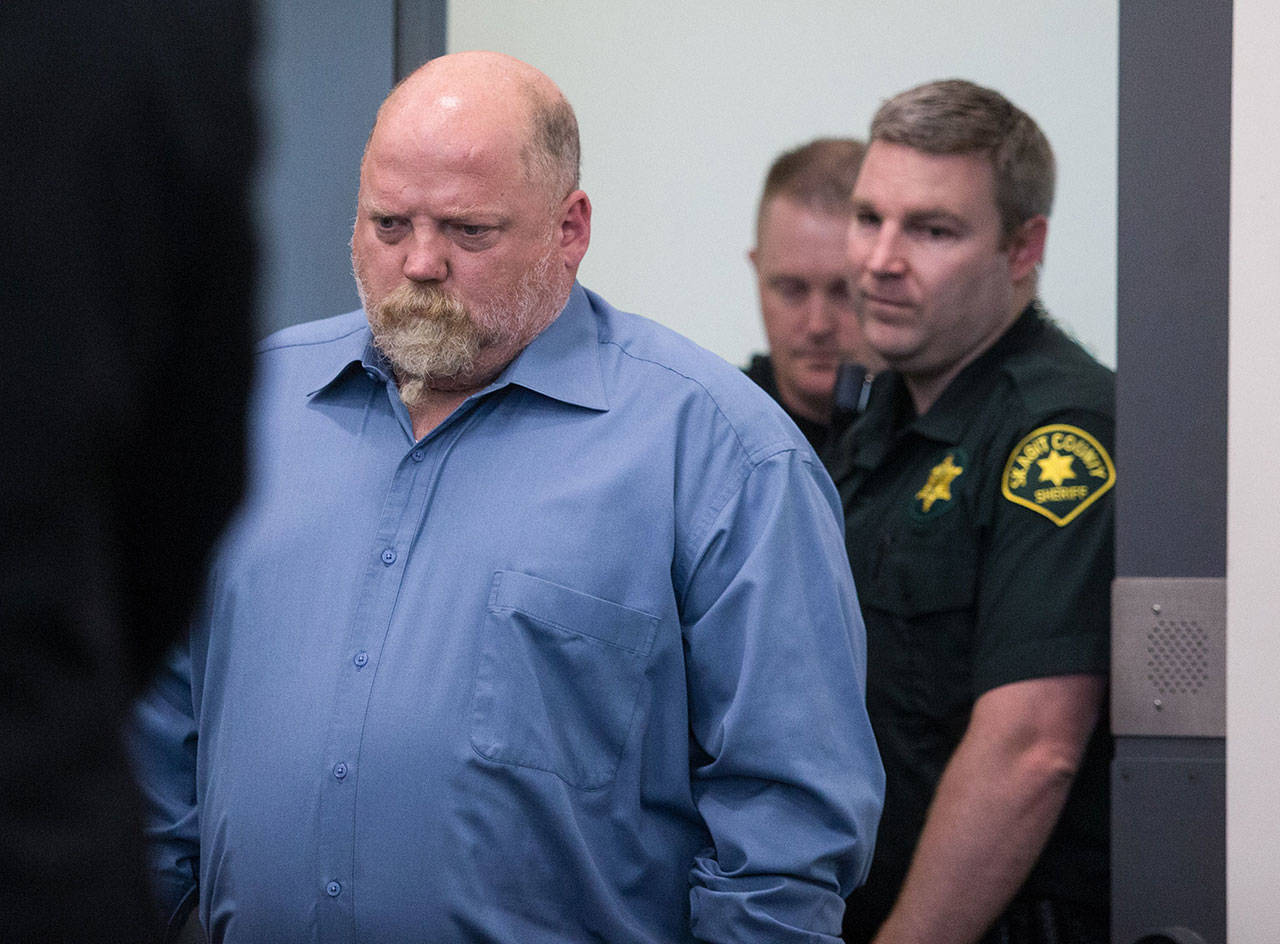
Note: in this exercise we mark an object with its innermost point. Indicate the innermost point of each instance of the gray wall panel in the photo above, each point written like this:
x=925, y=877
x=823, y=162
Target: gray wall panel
x=420, y=33
x=324, y=66
x=1173, y=203
x=1168, y=793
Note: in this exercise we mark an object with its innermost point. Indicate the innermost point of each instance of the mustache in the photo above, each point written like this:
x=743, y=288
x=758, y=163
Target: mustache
x=410, y=302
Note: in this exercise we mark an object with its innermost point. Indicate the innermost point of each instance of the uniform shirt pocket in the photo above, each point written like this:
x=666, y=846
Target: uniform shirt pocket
x=926, y=571
x=920, y=620
x=558, y=677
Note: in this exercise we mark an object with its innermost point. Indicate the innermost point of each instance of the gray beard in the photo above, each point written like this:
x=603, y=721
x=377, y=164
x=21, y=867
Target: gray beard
x=433, y=340
x=427, y=336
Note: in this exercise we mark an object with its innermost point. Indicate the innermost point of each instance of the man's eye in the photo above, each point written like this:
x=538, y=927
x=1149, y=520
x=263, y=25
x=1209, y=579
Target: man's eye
x=386, y=223
x=936, y=231
x=791, y=290
x=472, y=232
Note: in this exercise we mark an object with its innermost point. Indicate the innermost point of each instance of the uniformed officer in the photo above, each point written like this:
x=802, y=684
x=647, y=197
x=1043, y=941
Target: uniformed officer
x=802, y=273
x=978, y=493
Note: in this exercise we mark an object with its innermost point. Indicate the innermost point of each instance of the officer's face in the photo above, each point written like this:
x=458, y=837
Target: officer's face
x=933, y=272
x=806, y=303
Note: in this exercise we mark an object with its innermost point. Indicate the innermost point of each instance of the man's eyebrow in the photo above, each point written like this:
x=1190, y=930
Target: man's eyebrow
x=934, y=215
x=477, y=216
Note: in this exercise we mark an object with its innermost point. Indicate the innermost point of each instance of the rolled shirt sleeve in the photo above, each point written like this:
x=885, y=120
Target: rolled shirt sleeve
x=162, y=742
x=786, y=773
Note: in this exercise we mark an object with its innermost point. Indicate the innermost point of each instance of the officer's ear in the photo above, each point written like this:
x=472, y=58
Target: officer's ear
x=1026, y=247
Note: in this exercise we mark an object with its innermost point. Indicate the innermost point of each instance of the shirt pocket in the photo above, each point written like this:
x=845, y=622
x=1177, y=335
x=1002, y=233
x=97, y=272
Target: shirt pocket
x=925, y=571
x=558, y=678
x=920, y=607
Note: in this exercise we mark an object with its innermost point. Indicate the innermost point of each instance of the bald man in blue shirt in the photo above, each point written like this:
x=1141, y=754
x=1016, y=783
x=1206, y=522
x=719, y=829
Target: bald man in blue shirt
x=537, y=625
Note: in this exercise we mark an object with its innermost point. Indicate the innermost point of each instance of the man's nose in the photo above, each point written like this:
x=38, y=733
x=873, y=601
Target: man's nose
x=426, y=258
x=885, y=257
x=819, y=313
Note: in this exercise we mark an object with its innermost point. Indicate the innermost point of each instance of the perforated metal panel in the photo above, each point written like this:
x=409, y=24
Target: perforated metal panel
x=1168, y=657
x=1177, y=657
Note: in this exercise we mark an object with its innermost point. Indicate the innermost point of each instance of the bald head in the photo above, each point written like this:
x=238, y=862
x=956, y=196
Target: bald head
x=489, y=97
x=469, y=227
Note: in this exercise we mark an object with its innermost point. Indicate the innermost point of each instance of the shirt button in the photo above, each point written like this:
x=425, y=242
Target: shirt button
x=418, y=455
x=361, y=658
x=339, y=770
x=389, y=556
x=333, y=889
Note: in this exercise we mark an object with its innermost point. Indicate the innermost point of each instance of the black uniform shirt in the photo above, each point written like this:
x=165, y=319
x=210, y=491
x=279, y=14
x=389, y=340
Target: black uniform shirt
x=760, y=370
x=981, y=539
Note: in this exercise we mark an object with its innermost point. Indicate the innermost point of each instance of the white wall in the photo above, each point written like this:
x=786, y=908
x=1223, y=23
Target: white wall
x=1253, y=448
x=683, y=105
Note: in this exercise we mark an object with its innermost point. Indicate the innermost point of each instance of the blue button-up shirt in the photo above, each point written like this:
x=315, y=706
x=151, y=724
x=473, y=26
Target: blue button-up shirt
x=582, y=664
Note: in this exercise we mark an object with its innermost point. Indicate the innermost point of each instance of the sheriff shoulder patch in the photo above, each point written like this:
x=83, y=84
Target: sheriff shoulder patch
x=1057, y=471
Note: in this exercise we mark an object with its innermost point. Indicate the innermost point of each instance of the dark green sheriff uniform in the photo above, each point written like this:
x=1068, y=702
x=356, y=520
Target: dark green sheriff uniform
x=981, y=538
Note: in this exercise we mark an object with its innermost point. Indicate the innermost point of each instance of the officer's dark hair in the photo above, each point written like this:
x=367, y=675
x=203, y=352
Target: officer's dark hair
x=954, y=116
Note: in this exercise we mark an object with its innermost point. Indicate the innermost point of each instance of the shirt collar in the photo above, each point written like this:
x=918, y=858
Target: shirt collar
x=954, y=409
x=869, y=439
x=350, y=355
x=563, y=362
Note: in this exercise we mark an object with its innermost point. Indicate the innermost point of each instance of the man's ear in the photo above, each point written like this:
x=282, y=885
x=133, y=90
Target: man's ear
x=751, y=257
x=575, y=228
x=1026, y=247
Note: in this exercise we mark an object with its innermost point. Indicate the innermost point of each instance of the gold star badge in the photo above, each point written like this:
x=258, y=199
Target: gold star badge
x=938, y=487
x=1056, y=468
